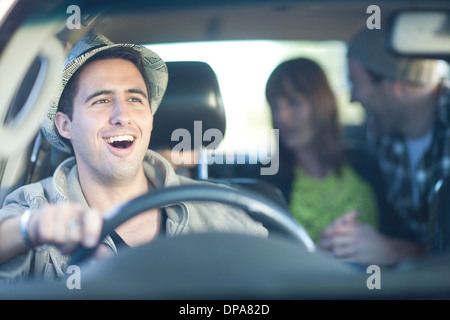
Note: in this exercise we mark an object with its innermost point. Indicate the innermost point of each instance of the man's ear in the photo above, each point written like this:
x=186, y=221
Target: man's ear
x=63, y=124
x=393, y=88
x=398, y=88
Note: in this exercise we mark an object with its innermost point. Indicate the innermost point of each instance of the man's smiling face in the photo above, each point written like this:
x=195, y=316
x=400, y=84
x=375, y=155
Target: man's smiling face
x=112, y=121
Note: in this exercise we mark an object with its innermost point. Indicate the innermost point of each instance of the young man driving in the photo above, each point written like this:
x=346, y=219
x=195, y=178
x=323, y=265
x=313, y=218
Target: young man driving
x=103, y=114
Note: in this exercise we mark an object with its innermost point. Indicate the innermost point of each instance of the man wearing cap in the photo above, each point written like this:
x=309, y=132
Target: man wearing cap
x=407, y=106
x=103, y=114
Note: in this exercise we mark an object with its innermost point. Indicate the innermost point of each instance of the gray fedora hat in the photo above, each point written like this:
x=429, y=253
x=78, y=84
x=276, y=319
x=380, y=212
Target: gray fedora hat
x=84, y=49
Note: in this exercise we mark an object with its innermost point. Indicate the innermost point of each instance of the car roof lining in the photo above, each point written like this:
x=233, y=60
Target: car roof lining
x=300, y=20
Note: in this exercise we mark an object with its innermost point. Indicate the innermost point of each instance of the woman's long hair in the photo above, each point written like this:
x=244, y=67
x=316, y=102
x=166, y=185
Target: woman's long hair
x=307, y=77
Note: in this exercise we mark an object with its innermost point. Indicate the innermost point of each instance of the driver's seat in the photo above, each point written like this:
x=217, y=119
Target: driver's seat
x=192, y=105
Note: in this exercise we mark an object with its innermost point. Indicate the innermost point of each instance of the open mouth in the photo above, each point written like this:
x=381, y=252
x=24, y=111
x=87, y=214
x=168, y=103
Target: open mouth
x=120, y=142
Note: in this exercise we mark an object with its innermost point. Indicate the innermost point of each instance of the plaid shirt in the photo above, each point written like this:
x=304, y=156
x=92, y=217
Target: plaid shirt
x=432, y=168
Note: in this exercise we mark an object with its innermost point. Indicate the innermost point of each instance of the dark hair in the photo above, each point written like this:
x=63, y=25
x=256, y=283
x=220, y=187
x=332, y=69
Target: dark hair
x=71, y=88
x=308, y=78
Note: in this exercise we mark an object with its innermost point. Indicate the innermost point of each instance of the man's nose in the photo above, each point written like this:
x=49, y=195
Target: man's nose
x=120, y=113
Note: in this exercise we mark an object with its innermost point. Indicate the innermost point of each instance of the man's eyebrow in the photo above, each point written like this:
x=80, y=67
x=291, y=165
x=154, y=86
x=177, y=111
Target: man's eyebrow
x=101, y=92
x=98, y=93
x=138, y=91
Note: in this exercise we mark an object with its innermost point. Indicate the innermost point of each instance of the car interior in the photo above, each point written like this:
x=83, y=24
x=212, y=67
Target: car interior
x=37, y=34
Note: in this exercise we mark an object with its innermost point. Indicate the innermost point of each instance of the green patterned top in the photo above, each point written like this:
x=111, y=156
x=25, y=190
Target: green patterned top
x=316, y=202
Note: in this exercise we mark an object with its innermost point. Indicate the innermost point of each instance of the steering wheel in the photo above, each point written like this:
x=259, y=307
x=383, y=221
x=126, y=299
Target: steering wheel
x=258, y=207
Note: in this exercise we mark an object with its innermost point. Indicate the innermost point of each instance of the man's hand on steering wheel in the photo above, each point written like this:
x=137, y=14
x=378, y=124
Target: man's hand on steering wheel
x=258, y=207
x=65, y=225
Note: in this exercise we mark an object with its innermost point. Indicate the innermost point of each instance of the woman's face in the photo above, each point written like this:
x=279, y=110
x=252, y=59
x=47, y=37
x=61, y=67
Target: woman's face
x=292, y=115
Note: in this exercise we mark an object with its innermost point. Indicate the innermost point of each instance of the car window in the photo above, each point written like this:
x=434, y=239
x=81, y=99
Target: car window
x=243, y=67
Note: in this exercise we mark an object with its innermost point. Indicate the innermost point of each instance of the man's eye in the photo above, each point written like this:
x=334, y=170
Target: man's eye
x=100, y=101
x=134, y=100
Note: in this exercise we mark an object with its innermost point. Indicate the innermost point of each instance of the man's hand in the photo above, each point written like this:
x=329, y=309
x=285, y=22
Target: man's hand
x=352, y=241
x=337, y=232
x=65, y=225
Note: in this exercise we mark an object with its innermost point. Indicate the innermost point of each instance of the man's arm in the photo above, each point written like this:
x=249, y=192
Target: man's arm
x=65, y=225
x=11, y=241
x=361, y=243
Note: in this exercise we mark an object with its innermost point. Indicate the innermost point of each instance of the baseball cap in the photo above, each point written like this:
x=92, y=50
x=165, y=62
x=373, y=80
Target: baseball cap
x=368, y=46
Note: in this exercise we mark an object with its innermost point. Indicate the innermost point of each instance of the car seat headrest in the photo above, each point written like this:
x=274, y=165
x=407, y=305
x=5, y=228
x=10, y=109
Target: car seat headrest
x=192, y=95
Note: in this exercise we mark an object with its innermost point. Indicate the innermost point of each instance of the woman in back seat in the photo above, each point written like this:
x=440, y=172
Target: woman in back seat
x=314, y=174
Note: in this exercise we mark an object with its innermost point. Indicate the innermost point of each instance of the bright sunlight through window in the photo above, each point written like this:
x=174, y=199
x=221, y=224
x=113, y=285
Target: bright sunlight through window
x=242, y=69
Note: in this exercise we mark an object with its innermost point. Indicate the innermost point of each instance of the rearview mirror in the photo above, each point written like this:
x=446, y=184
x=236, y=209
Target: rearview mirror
x=421, y=33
